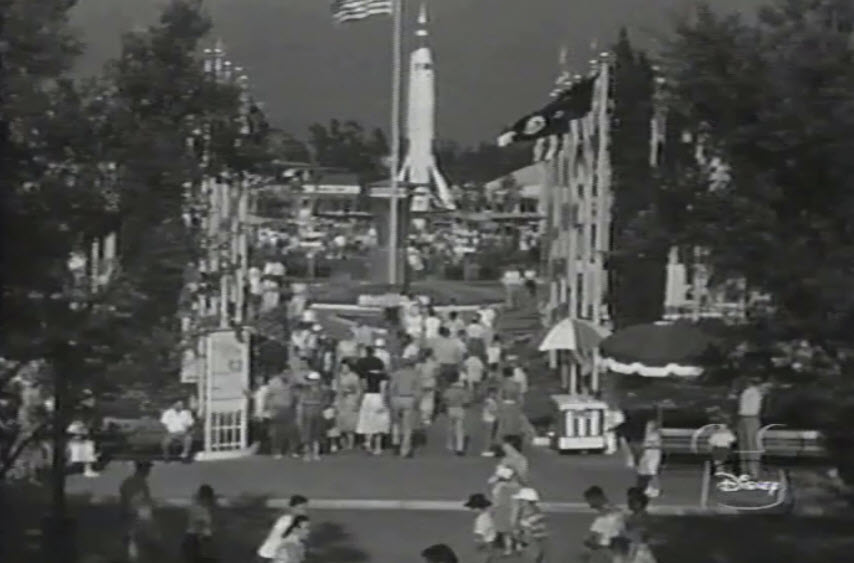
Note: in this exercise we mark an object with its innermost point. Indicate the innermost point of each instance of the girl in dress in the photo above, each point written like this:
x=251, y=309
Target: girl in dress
x=348, y=400
x=81, y=448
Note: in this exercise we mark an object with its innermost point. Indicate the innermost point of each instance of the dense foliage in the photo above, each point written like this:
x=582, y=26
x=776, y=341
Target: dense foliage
x=771, y=100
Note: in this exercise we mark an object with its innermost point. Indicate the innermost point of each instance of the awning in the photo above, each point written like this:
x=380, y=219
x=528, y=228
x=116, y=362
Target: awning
x=656, y=350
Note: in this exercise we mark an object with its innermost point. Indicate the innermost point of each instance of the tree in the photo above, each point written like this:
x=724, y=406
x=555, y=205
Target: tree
x=347, y=146
x=771, y=101
x=637, y=263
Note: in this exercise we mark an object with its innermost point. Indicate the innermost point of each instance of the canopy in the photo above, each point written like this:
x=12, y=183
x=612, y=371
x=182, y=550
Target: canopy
x=656, y=350
x=572, y=334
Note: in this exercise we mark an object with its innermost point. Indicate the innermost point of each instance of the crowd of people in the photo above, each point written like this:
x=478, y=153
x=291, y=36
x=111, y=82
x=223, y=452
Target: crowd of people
x=380, y=390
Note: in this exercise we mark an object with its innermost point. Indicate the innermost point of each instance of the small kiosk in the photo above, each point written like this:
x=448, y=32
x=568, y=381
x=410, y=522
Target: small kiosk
x=581, y=424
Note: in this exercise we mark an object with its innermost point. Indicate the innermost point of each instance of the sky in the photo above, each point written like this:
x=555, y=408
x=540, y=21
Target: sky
x=495, y=59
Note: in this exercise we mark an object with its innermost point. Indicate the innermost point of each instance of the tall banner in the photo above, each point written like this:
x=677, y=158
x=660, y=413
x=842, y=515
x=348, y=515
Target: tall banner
x=225, y=404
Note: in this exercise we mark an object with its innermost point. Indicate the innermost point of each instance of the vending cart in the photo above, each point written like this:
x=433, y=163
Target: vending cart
x=581, y=424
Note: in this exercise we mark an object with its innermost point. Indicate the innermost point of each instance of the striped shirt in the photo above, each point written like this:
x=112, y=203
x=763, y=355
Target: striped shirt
x=532, y=521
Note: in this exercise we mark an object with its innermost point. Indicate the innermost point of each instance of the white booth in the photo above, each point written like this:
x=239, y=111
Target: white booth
x=581, y=423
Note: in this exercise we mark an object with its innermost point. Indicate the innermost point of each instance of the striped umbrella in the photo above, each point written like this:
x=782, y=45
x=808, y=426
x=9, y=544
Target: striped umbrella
x=574, y=335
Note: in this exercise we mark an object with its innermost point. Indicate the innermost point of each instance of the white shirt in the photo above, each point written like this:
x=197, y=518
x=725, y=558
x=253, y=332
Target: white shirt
x=411, y=351
x=383, y=354
x=608, y=526
x=487, y=317
x=475, y=330
x=255, y=281
x=750, y=401
x=274, y=538
x=177, y=422
x=520, y=377
x=431, y=327
x=258, y=399
x=722, y=438
x=484, y=527
x=493, y=354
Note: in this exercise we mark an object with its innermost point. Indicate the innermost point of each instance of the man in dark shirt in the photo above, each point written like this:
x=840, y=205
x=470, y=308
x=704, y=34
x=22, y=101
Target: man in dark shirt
x=370, y=367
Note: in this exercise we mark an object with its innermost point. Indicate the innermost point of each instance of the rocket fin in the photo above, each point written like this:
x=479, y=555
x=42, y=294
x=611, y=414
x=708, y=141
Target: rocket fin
x=443, y=192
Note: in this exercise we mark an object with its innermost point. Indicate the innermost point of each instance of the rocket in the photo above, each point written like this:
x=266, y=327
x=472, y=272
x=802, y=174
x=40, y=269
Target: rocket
x=430, y=190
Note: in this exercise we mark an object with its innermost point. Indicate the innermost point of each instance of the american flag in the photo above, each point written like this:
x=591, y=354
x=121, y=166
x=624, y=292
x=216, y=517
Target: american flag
x=351, y=10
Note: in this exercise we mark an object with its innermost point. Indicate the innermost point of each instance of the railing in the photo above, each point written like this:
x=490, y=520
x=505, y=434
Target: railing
x=803, y=444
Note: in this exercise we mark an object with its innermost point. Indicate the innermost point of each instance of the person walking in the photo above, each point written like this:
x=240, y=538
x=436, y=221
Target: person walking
x=197, y=546
x=474, y=371
x=489, y=418
x=721, y=441
x=475, y=333
x=608, y=525
x=428, y=371
x=374, y=418
x=637, y=528
x=292, y=548
x=650, y=460
x=136, y=505
x=348, y=400
x=297, y=506
x=510, y=388
x=511, y=423
x=511, y=456
x=404, y=396
x=532, y=529
x=449, y=353
x=260, y=423
x=456, y=399
x=281, y=402
x=504, y=487
x=312, y=401
x=494, y=353
x=484, y=532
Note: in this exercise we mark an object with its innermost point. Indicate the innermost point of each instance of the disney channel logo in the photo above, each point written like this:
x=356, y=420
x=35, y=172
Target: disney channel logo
x=744, y=492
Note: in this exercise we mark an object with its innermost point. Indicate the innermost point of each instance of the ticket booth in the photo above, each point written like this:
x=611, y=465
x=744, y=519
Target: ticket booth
x=581, y=424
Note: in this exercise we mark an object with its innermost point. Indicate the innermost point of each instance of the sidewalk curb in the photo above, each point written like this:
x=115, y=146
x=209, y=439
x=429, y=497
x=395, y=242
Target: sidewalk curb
x=410, y=505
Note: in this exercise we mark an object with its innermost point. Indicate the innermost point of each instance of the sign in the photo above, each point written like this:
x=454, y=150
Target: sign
x=225, y=405
x=745, y=493
x=228, y=372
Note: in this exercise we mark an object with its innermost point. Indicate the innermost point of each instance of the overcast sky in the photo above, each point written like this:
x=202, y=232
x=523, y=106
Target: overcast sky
x=495, y=59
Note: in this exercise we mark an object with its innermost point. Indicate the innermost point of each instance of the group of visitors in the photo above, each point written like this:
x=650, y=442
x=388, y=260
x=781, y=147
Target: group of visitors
x=369, y=389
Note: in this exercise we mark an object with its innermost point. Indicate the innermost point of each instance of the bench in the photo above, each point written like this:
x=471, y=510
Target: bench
x=778, y=443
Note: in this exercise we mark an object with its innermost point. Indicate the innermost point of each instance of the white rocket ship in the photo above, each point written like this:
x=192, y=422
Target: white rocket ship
x=419, y=167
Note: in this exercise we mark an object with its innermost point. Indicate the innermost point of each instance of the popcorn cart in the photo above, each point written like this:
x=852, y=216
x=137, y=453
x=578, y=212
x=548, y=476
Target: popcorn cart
x=581, y=423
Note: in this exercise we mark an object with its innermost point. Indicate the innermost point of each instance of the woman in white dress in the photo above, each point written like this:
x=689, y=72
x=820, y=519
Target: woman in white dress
x=374, y=416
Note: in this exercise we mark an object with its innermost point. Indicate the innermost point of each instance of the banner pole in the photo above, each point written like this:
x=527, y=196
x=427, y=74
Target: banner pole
x=394, y=227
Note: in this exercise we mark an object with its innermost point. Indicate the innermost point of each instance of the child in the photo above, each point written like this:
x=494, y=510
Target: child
x=81, y=448
x=531, y=521
x=484, y=526
x=504, y=487
x=720, y=442
x=490, y=412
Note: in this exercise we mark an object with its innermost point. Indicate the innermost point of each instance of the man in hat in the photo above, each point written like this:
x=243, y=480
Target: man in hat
x=484, y=526
x=532, y=529
x=404, y=395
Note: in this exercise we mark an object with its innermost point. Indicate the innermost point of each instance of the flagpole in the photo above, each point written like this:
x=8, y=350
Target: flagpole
x=394, y=227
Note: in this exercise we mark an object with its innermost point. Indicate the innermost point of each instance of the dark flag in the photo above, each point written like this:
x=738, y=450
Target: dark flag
x=554, y=118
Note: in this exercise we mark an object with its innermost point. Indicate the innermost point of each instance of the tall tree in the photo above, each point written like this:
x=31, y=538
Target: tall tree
x=637, y=263
x=771, y=100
